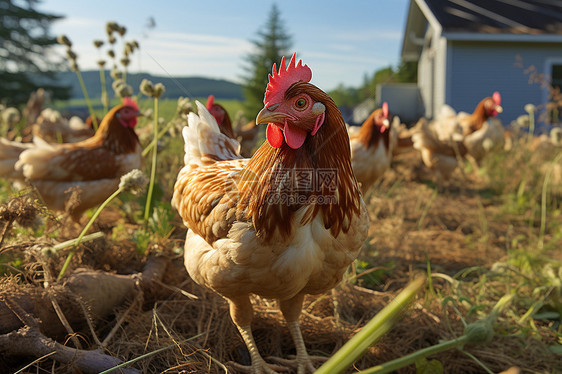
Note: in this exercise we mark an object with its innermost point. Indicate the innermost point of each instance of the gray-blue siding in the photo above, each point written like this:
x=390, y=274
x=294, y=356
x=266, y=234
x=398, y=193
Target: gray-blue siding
x=476, y=70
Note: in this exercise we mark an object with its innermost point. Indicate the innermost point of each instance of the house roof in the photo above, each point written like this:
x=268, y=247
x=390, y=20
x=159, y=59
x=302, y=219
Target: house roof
x=498, y=16
x=492, y=20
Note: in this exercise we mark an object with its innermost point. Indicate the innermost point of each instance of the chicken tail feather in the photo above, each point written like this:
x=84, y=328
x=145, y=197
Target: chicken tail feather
x=204, y=142
x=9, y=155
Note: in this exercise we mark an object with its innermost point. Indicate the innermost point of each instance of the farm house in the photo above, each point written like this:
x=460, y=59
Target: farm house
x=467, y=49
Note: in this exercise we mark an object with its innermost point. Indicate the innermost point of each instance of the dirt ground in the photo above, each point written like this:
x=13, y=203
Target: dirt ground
x=414, y=222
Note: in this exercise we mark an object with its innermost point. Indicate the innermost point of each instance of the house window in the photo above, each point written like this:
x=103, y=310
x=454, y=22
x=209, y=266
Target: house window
x=555, y=99
x=556, y=76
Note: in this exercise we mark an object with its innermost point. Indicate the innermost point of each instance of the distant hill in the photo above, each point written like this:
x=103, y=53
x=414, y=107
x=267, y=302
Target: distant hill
x=175, y=86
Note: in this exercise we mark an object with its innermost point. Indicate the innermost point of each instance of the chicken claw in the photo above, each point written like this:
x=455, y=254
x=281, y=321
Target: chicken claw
x=302, y=361
x=302, y=365
x=259, y=367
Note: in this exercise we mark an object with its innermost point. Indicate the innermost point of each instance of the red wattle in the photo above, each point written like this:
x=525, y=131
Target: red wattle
x=274, y=135
x=385, y=109
x=294, y=136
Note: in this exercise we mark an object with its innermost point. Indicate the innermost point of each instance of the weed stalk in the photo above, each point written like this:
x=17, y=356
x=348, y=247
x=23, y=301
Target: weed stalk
x=153, y=166
x=88, y=101
x=86, y=228
x=103, y=91
x=133, y=181
x=480, y=331
x=372, y=331
x=543, y=199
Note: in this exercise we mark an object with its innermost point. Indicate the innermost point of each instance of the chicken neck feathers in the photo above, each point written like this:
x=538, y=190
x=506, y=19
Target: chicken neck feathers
x=214, y=191
x=370, y=135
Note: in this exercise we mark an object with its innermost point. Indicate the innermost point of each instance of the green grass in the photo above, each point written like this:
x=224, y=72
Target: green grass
x=515, y=186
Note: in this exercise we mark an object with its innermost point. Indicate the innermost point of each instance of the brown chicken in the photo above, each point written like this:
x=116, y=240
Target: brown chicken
x=221, y=115
x=94, y=165
x=246, y=134
x=286, y=222
x=488, y=107
x=53, y=128
x=371, y=151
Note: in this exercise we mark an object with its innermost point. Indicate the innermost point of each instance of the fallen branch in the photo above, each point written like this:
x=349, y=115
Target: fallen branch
x=100, y=292
x=29, y=341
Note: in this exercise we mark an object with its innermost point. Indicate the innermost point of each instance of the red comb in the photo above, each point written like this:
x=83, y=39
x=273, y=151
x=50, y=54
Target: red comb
x=210, y=101
x=130, y=102
x=280, y=81
x=385, y=109
x=497, y=98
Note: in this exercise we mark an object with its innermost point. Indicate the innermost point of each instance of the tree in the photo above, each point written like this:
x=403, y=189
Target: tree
x=24, y=43
x=407, y=72
x=345, y=96
x=273, y=42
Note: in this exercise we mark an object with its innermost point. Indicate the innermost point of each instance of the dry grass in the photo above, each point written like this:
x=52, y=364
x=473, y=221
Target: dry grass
x=453, y=228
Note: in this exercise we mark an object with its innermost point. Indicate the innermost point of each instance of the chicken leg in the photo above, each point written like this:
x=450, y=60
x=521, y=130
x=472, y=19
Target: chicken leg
x=291, y=310
x=242, y=312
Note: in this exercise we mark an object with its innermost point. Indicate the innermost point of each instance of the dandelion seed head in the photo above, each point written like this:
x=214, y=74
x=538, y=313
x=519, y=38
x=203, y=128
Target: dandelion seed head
x=11, y=116
x=159, y=90
x=530, y=108
x=63, y=39
x=134, y=182
x=146, y=87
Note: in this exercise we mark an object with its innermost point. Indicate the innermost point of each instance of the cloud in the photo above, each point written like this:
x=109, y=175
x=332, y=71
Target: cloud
x=78, y=24
x=347, y=59
x=369, y=35
x=340, y=59
x=342, y=47
x=195, y=45
x=194, y=54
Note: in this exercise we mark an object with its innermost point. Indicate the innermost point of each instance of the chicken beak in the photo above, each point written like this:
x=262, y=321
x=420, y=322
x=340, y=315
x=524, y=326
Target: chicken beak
x=386, y=122
x=499, y=109
x=268, y=114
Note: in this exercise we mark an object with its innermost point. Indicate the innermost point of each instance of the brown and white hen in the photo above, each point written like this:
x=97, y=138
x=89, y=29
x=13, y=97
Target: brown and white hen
x=94, y=165
x=286, y=222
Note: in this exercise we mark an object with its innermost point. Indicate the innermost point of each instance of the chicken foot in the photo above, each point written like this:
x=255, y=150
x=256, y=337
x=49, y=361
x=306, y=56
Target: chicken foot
x=291, y=310
x=242, y=312
x=259, y=366
x=303, y=362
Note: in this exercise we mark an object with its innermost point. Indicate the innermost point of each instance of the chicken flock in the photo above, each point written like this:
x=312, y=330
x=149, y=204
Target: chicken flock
x=454, y=136
x=92, y=166
x=283, y=223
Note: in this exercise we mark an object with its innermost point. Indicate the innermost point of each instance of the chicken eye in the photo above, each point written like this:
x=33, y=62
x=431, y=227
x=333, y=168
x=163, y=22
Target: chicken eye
x=300, y=103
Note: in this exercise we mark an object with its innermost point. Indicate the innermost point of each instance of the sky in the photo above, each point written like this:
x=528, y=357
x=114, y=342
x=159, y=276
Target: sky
x=341, y=41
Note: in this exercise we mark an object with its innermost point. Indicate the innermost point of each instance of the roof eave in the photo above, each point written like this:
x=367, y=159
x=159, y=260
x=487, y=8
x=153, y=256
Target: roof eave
x=417, y=10
x=433, y=21
x=536, y=38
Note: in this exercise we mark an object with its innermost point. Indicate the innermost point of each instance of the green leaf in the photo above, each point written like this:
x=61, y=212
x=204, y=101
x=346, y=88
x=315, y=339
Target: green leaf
x=428, y=367
x=142, y=240
x=556, y=349
x=547, y=315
